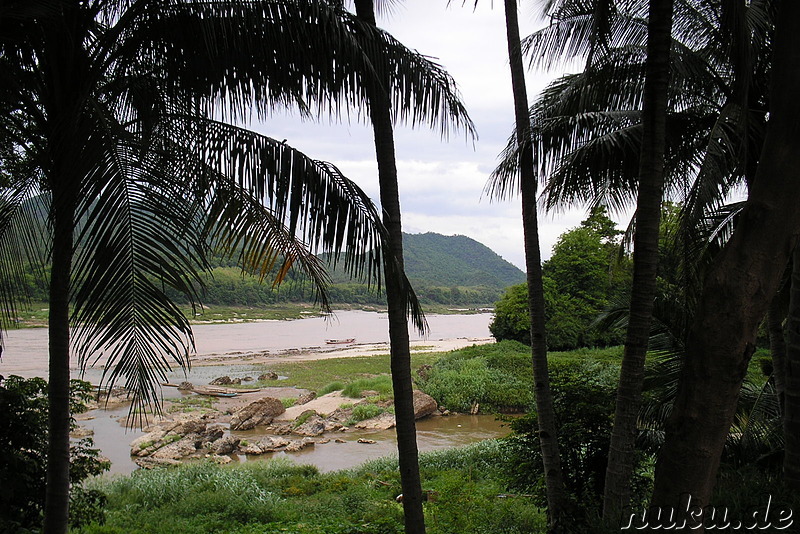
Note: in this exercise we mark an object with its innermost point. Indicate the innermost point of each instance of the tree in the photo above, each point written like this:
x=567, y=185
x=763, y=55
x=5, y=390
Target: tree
x=111, y=102
x=737, y=291
x=645, y=260
x=381, y=109
x=554, y=479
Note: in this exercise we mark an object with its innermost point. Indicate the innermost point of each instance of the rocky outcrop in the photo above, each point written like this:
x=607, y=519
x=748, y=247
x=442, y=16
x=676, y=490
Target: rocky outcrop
x=264, y=445
x=260, y=412
x=269, y=375
x=299, y=444
x=424, y=404
x=383, y=421
x=225, y=445
x=313, y=426
x=176, y=439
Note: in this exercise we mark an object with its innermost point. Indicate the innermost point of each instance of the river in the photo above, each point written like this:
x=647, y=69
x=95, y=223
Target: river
x=25, y=354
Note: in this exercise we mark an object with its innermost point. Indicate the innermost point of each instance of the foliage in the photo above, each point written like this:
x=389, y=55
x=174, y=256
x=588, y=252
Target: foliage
x=583, y=395
x=580, y=279
x=497, y=377
x=364, y=411
x=23, y=439
x=382, y=384
x=279, y=496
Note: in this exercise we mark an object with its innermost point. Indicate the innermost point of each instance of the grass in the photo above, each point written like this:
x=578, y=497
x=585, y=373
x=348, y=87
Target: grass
x=190, y=403
x=316, y=375
x=288, y=402
x=275, y=496
x=364, y=411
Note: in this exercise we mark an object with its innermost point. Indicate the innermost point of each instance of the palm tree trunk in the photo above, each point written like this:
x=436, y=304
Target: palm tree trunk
x=791, y=393
x=56, y=513
x=554, y=479
x=737, y=291
x=777, y=340
x=408, y=455
x=645, y=261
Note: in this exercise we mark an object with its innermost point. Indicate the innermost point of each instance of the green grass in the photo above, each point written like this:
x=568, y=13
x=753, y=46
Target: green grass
x=316, y=375
x=288, y=402
x=382, y=384
x=364, y=411
x=190, y=403
x=275, y=496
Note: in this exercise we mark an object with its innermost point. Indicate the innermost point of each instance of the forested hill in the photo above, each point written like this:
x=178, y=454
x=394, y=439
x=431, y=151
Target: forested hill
x=453, y=270
x=457, y=260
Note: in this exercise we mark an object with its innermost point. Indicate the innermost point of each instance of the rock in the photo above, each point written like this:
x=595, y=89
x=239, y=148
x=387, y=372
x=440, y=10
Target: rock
x=260, y=412
x=305, y=399
x=185, y=386
x=269, y=375
x=247, y=379
x=333, y=426
x=313, y=426
x=299, y=444
x=153, y=463
x=236, y=381
x=264, y=445
x=225, y=445
x=81, y=432
x=339, y=440
x=367, y=441
x=282, y=429
x=382, y=421
x=369, y=393
x=221, y=381
x=323, y=441
x=180, y=449
x=217, y=459
x=476, y=407
x=424, y=404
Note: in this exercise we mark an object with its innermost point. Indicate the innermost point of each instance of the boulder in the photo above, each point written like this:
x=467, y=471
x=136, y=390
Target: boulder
x=269, y=375
x=305, y=399
x=224, y=445
x=264, y=445
x=185, y=386
x=383, y=421
x=260, y=412
x=221, y=381
x=424, y=404
x=152, y=463
x=299, y=444
x=182, y=448
x=313, y=426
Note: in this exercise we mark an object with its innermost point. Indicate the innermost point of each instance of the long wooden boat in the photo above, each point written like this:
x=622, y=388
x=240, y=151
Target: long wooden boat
x=340, y=341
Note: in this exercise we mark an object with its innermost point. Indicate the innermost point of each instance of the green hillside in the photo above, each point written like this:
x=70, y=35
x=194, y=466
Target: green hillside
x=435, y=259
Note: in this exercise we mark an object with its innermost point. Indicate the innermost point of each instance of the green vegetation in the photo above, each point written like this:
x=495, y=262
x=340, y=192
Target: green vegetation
x=316, y=375
x=382, y=384
x=190, y=403
x=466, y=486
x=364, y=411
x=288, y=402
x=23, y=434
x=583, y=277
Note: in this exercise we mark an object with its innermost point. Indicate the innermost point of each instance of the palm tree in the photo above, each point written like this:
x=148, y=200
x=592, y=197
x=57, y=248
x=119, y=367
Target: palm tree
x=589, y=132
x=734, y=298
x=645, y=260
x=554, y=479
x=381, y=109
x=110, y=103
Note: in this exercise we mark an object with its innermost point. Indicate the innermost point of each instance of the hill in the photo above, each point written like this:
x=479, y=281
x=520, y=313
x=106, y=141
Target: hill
x=435, y=259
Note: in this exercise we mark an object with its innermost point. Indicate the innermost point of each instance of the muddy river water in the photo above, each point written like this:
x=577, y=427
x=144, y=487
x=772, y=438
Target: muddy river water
x=232, y=348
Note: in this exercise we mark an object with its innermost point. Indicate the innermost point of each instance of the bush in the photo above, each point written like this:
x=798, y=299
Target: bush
x=364, y=411
x=583, y=398
x=497, y=377
x=382, y=384
x=23, y=439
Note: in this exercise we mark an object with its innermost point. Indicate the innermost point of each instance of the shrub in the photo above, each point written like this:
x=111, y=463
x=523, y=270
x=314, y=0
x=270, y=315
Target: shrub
x=498, y=377
x=23, y=439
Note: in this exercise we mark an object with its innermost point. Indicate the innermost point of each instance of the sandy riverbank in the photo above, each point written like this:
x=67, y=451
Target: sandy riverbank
x=331, y=351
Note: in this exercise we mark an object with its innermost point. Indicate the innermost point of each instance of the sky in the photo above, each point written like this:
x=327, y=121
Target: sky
x=442, y=181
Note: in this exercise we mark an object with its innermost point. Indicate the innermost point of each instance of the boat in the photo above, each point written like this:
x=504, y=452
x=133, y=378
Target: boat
x=340, y=341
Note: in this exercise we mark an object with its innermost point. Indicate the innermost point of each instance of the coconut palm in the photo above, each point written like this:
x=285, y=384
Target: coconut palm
x=589, y=129
x=107, y=108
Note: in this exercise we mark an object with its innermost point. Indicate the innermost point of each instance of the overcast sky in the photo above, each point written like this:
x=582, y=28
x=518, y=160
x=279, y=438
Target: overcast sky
x=441, y=182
